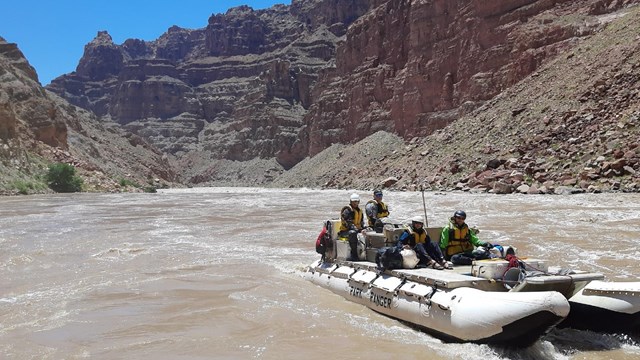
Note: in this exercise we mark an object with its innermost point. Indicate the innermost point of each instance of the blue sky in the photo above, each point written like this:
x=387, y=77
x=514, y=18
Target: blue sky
x=52, y=34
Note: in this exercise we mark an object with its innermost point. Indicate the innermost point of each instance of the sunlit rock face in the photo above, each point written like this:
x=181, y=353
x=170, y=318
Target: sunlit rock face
x=412, y=67
x=289, y=81
x=25, y=109
x=238, y=88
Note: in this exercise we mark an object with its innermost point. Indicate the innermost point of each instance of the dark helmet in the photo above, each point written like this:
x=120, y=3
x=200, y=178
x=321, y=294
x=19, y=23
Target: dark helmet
x=461, y=214
x=377, y=193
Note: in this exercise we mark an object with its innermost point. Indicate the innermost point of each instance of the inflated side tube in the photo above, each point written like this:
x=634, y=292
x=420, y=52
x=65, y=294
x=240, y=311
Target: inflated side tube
x=457, y=315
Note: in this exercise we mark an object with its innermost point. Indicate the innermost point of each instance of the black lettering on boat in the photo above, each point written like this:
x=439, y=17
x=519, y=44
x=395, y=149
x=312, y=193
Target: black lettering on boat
x=354, y=291
x=380, y=300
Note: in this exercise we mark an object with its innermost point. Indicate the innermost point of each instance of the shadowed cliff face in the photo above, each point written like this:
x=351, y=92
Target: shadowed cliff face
x=289, y=81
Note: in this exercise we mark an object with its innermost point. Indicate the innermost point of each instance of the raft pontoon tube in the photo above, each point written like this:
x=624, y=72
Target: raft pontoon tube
x=455, y=314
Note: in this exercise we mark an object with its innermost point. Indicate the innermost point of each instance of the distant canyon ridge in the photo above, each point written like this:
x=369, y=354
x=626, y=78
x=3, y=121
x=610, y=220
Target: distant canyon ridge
x=256, y=92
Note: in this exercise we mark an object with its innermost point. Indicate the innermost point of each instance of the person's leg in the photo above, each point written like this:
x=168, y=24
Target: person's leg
x=353, y=244
x=423, y=255
x=461, y=259
x=434, y=251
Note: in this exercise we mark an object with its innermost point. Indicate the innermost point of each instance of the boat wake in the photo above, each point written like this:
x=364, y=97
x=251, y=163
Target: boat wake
x=569, y=341
x=559, y=344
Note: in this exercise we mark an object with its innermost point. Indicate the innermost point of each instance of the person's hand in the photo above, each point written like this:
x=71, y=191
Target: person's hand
x=488, y=245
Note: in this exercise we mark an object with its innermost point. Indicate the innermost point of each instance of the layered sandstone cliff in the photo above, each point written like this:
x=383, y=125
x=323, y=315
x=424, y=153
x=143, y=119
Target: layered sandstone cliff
x=23, y=106
x=237, y=89
x=287, y=82
x=37, y=128
x=411, y=67
x=571, y=126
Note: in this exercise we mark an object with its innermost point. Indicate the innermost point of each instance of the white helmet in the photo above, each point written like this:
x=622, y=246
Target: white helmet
x=417, y=219
x=355, y=197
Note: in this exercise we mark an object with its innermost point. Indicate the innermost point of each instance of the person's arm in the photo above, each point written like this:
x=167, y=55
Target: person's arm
x=347, y=217
x=403, y=240
x=444, y=237
x=476, y=242
x=371, y=210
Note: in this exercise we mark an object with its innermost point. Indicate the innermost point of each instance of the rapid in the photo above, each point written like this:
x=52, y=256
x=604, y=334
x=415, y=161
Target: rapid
x=216, y=273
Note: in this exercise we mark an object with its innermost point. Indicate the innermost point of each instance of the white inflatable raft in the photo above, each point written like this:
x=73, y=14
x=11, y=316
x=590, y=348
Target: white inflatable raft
x=449, y=308
x=606, y=306
x=487, y=302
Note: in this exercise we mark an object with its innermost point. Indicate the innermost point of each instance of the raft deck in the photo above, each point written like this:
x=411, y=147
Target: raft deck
x=462, y=276
x=459, y=276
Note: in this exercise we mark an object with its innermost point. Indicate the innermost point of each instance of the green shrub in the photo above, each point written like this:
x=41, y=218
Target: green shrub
x=26, y=187
x=62, y=178
x=127, y=182
x=23, y=187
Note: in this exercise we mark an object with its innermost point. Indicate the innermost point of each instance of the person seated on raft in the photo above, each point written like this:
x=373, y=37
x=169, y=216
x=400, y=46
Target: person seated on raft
x=351, y=223
x=460, y=244
x=415, y=237
x=376, y=210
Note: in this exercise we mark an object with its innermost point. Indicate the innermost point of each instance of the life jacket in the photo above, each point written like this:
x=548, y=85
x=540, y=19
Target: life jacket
x=419, y=236
x=357, y=218
x=459, y=240
x=383, y=211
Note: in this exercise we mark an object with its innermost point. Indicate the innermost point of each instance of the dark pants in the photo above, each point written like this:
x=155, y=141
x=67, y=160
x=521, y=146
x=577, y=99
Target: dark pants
x=468, y=257
x=428, y=251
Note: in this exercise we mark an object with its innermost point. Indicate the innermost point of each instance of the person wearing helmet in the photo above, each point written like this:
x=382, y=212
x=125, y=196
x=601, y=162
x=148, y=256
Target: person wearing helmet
x=351, y=223
x=458, y=242
x=415, y=237
x=376, y=210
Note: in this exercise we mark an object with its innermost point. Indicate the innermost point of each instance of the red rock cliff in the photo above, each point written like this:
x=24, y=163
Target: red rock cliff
x=411, y=67
x=288, y=81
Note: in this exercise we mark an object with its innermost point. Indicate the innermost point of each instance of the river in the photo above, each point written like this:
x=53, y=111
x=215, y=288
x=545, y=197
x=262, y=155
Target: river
x=216, y=273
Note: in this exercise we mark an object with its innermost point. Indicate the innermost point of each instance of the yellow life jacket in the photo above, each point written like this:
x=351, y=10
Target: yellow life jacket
x=418, y=237
x=383, y=211
x=459, y=240
x=357, y=218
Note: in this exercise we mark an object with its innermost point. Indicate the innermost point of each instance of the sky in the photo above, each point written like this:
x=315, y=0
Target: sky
x=52, y=34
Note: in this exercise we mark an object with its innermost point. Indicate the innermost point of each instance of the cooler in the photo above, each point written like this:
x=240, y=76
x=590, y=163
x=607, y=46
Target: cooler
x=495, y=268
x=375, y=240
x=391, y=233
x=343, y=251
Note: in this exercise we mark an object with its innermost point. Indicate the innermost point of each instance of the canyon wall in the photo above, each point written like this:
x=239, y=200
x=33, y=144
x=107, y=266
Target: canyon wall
x=286, y=82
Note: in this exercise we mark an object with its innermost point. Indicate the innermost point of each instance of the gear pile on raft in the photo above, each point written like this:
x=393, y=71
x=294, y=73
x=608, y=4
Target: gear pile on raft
x=446, y=282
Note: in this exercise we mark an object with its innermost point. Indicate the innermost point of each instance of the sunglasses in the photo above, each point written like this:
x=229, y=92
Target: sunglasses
x=459, y=217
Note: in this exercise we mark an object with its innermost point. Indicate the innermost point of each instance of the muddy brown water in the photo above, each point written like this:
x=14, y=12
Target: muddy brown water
x=216, y=273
